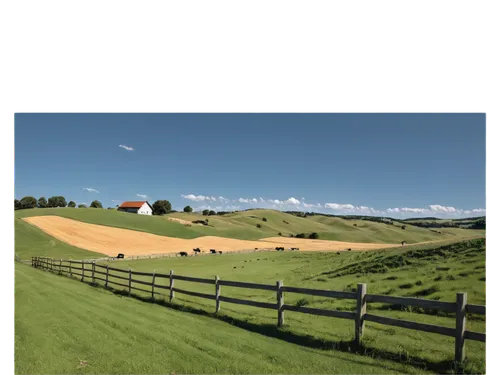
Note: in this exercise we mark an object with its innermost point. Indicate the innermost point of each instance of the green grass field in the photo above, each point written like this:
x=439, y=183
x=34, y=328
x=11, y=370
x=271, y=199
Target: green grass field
x=242, y=225
x=81, y=322
x=61, y=322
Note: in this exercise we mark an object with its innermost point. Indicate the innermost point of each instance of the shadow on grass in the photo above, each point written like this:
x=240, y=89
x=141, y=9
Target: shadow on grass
x=269, y=330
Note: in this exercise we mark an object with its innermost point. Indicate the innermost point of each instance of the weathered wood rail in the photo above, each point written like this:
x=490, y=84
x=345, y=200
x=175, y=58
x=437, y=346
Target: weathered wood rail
x=87, y=269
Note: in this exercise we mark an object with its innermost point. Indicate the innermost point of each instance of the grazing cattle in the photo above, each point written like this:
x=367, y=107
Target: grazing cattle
x=349, y=249
x=197, y=250
x=213, y=251
x=294, y=248
x=403, y=243
x=120, y=256
x=338, y=252
x=183, y=254
x=220, y=252
x=234, y=267
x=256, y=248
x=280, y=248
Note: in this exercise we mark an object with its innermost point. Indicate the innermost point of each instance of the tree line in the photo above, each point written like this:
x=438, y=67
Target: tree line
x=52, y=202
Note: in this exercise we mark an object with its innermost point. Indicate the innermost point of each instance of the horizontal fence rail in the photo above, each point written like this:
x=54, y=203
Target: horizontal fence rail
x=87, y=270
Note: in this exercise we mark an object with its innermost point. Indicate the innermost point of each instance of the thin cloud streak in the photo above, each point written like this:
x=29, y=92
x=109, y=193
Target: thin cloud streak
x=128, y=148
x=91, y=190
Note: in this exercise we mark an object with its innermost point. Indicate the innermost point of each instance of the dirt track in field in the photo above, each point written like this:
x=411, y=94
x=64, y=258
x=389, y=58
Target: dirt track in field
x=110, y=241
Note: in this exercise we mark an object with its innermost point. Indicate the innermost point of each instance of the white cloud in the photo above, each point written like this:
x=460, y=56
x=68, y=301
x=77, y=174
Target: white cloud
x=248, y=200
x=91, y=190
x=116, y=200
x=292, y=200
x=198, y=198
x=224, y=200
x=143, y=196
x=351, y=209
x=439, y=208
x=127, y=148
x=407, y=209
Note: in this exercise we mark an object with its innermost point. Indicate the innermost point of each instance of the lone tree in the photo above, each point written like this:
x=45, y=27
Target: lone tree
x=161, y=207
x=211, y=213
x=82, y=205
x=96, y=204
x=57, y=201
x=71, y=204
x=28, y=202
x=188, y=209
x=205, y=212
x=42, y=202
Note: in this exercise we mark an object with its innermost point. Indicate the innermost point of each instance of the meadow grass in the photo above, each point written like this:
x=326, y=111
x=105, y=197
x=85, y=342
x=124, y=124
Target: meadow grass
x=243, y=225
x=64, y=326
x=425, y=271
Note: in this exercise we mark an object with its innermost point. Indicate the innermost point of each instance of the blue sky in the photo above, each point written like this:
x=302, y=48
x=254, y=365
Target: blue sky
x=399, y=165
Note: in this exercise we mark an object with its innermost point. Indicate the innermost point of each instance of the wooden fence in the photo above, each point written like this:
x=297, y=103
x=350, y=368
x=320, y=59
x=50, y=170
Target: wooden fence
x=360, y=315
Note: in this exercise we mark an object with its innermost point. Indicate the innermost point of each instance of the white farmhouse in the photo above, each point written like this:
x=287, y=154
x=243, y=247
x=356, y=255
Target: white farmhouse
x=141, y=208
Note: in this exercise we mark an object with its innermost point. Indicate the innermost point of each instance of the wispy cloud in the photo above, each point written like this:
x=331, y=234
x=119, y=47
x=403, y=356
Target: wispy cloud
x=350, y=208
x=143, y=196
x=128, y=148
x=91, y=190
x=437, y=210
x=199, y=198
x=248, y=200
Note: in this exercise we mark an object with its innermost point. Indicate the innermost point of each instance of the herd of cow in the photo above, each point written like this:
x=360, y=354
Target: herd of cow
x=213, y=251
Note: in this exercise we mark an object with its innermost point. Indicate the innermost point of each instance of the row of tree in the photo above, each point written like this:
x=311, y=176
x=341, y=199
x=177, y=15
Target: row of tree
x=52, y=202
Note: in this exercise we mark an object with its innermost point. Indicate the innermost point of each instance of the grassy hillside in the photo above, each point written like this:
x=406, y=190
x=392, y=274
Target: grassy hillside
x=426, y=271
x=31, y=241
x=88, y=330
x=243, y=225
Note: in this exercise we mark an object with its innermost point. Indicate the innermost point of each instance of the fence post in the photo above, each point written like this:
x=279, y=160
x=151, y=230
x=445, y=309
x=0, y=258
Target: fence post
x=217, y=294
x=60, y=266
x=107, y=273
x=93, y=272
x=83, y=270
x=460, y=327
x=129, y=281
x=70, y=269
x=153, y=285
x=51, y=264
x=172, y=294
x=280, y=303
x=359, y=319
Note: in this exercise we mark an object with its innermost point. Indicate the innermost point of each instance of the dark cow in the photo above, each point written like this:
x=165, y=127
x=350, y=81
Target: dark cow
x=280, y=248
x=197, y=250
x=349, y=249
x=294, y=248
x=338, y=252
x=220, y=252
x=183, y=254
x=212, y=251
x=120, y=256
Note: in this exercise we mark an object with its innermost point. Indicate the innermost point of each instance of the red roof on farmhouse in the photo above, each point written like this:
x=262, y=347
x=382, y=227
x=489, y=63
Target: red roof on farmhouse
x=132, y=204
